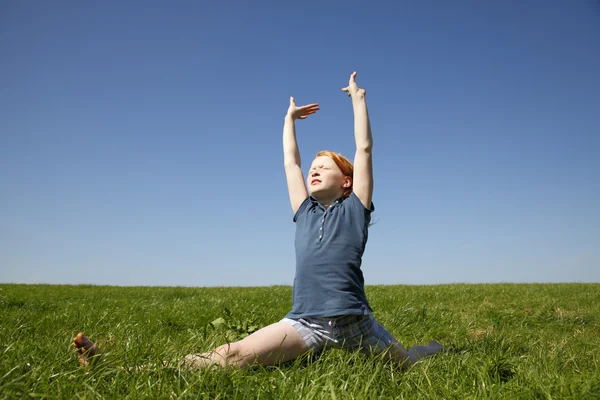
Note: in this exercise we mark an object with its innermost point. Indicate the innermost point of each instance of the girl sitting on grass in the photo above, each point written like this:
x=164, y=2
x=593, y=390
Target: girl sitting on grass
x=329, y=308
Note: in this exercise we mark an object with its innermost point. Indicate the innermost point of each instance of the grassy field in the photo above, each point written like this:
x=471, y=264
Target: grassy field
x=508, y=341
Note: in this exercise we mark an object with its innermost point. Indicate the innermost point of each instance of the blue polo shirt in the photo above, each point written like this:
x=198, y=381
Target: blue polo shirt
x=329, y=247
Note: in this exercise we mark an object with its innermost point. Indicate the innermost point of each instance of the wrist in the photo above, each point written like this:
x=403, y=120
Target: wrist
x=288, y=118
x=358, y=100
x=360, y=95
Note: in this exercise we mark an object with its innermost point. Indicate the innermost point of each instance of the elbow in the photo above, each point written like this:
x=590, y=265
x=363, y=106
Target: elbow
x=290, y=163
x=366, y=146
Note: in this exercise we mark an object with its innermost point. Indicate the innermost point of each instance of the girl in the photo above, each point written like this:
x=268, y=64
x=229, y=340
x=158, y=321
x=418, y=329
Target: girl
x=329, y=306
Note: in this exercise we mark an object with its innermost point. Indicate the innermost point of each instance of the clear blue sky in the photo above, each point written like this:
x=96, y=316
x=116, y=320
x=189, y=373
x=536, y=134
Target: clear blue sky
x=140, y=142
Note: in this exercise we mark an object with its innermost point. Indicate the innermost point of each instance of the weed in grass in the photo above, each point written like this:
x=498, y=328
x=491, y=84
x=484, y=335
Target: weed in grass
x=506, y=341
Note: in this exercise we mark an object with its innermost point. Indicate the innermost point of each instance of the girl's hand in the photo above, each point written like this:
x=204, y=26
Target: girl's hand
x=352, y=89
x=302, y=112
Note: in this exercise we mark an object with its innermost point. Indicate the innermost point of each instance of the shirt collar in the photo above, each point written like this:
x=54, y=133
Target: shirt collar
x=338, y=201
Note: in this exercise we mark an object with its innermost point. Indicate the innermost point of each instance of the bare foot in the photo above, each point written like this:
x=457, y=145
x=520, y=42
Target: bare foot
x=436, y=345
x=87, y=351
x=195, y=361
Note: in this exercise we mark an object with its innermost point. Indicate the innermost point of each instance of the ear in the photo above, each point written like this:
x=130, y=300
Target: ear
x=347, y=182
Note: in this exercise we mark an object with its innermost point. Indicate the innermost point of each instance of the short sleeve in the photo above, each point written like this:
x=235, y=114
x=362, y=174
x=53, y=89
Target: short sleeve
x=353, y=198
x=302, y=209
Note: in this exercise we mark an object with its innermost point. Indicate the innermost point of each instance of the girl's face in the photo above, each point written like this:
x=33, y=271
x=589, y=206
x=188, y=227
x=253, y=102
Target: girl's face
x=325, y=179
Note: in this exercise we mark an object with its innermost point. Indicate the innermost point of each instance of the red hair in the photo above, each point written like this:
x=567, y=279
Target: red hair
x=343, y=164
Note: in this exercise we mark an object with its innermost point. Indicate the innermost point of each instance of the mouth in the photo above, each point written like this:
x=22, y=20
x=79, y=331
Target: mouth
x=315, y=181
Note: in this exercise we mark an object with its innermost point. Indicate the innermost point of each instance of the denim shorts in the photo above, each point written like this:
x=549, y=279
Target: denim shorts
x=349, y=332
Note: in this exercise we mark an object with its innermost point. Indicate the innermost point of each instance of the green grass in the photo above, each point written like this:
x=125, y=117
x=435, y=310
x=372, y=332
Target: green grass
x=510, y=341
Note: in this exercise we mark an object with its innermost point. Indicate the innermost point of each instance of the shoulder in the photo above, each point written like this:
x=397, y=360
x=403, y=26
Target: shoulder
x=354, y=202
x=306, y=205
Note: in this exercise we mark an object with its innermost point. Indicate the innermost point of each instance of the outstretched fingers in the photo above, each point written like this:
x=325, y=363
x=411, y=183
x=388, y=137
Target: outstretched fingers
x=307, y=110
x=303, y=111
x=352, y=87
x=312, y=105
x=312, y=108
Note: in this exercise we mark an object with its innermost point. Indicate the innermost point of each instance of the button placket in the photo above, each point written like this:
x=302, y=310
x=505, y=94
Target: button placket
x=322, y=224
x=327, y=210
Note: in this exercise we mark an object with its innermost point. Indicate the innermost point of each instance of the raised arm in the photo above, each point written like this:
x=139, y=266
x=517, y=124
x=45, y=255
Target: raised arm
x=291, y=154
x=363, y=159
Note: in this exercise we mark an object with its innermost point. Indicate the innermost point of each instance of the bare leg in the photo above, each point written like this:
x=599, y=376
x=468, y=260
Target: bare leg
x=87, y=351
x=273, y=344
x=276, y=343
x=398, y=354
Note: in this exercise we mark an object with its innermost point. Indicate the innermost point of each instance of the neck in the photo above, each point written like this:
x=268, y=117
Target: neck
x=327, y=201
